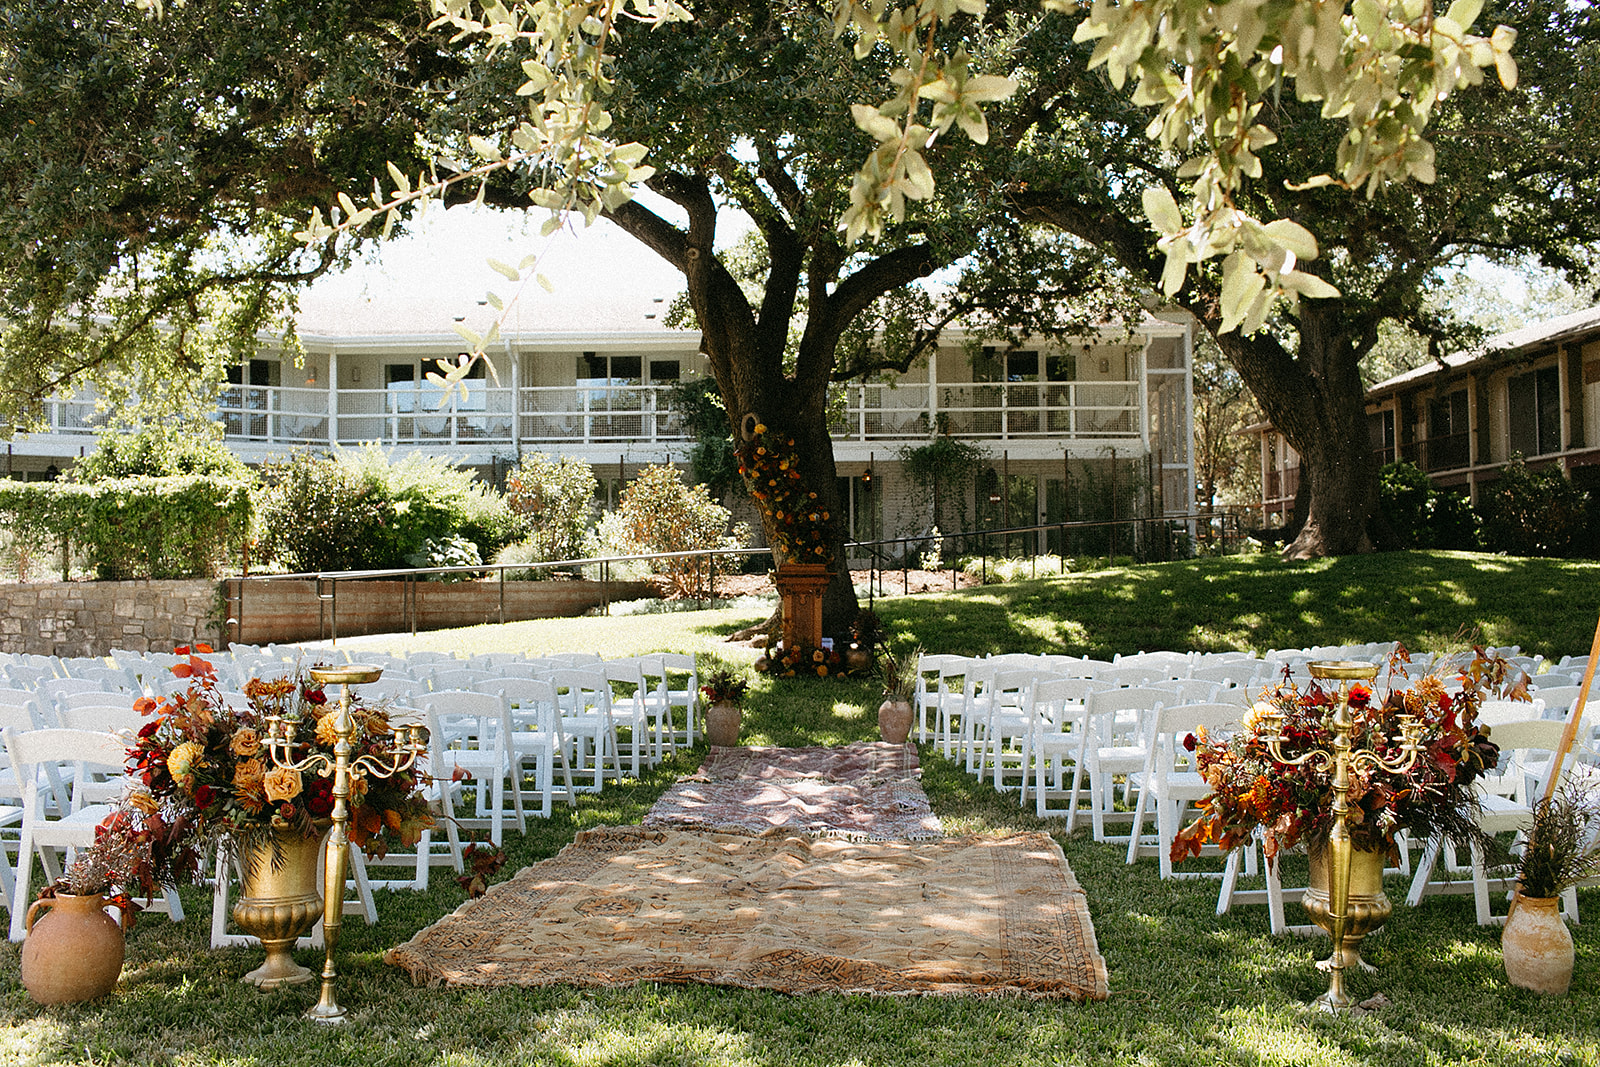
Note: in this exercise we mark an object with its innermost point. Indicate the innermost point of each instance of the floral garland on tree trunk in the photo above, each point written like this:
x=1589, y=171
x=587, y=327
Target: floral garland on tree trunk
x=770, y=465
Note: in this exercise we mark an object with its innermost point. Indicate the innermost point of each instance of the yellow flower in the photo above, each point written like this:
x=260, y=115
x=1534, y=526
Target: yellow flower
x=246, y=742
x=143, y=801
x=761, y=427
x=283, y=783
x=326, y=734
x=184, y=761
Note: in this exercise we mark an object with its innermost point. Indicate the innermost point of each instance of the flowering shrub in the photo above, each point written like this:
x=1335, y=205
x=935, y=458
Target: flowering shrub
x=205, y=774
x=657, y=512
x=771, y=468
x=1251, y=790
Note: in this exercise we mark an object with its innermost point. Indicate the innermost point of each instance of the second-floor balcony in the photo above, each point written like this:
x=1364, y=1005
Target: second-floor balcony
x=496, y=416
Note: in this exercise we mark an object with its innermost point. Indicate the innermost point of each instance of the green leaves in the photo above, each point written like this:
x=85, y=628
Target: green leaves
x=898, y=170
x=1380, y=67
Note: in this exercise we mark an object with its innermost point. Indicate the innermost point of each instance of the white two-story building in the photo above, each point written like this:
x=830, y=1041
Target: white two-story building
x=588, y=370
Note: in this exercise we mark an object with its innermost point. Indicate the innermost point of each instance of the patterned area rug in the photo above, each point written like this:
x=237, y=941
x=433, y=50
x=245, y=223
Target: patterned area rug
x=863, y=791
x=866, y=809
x=842, y=763
x=972, y=915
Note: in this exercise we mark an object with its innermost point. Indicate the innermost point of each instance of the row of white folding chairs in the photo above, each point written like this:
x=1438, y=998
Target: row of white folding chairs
x=952, y=704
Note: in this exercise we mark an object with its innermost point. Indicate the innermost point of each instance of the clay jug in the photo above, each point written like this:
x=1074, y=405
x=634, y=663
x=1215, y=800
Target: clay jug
x=894, y=721
x=722, y=724
x=73, y=951
x=1537, y=946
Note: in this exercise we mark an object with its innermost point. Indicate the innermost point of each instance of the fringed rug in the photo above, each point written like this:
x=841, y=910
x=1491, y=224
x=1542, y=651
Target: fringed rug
x=972, y=915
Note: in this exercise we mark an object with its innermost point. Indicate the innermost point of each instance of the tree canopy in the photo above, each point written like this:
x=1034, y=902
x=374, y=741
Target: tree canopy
x=149, y=164
x=1511, y=170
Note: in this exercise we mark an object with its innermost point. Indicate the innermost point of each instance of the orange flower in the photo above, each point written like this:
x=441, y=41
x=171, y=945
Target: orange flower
x=245, y=742
x=249, y=774
x=283, y=783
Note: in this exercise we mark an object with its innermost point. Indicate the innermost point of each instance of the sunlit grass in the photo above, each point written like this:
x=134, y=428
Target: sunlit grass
x=1187, y=986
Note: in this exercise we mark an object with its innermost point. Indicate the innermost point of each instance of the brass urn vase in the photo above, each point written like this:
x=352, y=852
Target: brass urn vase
x=280, y=899
x=1366, y=909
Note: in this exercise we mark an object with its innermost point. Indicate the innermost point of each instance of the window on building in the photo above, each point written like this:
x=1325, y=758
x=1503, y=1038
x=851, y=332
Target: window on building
x=1022, y=366
x=1535, y=402
x=400, y=383
x=1380, y=429
x=1448, y=445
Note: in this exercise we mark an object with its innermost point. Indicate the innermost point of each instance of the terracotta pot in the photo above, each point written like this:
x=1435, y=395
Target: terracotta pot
x=894, y=721
x=1537, y=946
x=1366, y=906
x=280, y=898
x=722, y=724
x=73, y=951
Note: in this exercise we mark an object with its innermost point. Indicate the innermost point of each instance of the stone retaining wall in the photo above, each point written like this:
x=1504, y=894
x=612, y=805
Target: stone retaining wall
x=91, y=618
x=287, y=611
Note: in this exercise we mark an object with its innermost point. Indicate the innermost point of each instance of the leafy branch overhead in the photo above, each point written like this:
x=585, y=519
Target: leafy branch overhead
x=1210, y=71
x=1381, y=66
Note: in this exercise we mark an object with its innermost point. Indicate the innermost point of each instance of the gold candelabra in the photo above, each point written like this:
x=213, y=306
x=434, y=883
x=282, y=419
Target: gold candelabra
x=343, y=768
x=1341, y=758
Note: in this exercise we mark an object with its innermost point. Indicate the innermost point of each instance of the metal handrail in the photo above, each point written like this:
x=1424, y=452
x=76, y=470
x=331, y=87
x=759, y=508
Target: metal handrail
x=329, y=580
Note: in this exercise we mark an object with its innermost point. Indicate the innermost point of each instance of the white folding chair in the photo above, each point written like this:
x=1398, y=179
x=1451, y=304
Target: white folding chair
x=632, y=709
x=468, y=733
x=43, y=829
x=583, y=699
x=679, y=686
x=1001, y=727
x=535, y=735
x=935, y=699
x=1056, y=742
x=1114, y=745
x=1521, y=745
x=426, y=855
x=1171, y=780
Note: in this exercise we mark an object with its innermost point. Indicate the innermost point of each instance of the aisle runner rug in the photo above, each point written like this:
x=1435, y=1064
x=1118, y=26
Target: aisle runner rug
x=866, y=809
x=974, y=915
x=842, y=763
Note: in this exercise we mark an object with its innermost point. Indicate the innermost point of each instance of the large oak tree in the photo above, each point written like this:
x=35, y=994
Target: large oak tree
x=1516, y=173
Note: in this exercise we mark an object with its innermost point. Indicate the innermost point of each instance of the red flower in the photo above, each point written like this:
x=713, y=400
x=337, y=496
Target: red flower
x=1360, y=696
x=319, y=798
x=204, y=796
x=316, y=696
x=1189, y=742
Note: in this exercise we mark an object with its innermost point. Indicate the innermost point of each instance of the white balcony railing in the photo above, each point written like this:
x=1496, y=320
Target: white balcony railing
x=494, y=416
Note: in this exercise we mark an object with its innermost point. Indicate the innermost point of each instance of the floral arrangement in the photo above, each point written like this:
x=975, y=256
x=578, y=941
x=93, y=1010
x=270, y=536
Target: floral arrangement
x=1251, y=790
x=205, y=775
x=782, y=662
x=800, y=524
x=866, y=630
x=723, y=684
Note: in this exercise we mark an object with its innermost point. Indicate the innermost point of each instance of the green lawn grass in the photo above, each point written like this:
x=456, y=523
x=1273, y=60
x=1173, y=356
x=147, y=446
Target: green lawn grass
x=1188, y=987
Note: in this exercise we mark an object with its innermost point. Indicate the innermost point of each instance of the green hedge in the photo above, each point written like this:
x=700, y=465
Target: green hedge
x=177, y=527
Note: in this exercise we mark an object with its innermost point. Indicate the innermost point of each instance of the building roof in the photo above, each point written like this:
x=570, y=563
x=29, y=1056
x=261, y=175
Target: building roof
x=1503, y=346
x=422, y=284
